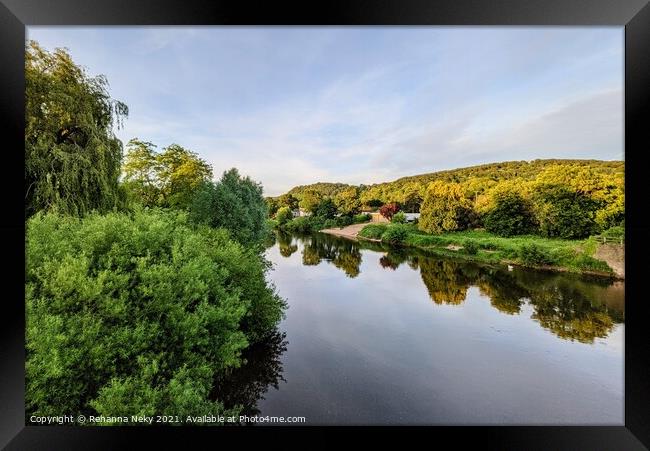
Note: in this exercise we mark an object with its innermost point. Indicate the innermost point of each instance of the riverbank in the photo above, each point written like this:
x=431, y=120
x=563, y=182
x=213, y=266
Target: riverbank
x=578, y=256
x=351, y=231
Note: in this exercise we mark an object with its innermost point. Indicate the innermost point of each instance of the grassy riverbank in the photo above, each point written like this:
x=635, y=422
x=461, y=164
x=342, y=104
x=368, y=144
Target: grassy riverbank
x=478, y=245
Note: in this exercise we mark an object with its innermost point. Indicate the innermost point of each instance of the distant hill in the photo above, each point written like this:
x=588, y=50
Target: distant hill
x=486, y=173
x=506, y=170
x=324, y=188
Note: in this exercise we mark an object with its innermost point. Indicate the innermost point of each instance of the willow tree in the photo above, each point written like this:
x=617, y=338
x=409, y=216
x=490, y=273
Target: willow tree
x=72, y=157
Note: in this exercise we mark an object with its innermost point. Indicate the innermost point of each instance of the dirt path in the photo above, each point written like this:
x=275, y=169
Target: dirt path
x=350, y=231
x=614, y=256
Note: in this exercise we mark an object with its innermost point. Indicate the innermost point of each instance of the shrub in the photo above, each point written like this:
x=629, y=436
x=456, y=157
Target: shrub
x=358, y=219
x=395, y=234
x=330, y=224
x=301, y=224
x=373, y=231
x=532, y=254
x=470, y=247
x=284, y=215
x=399, y=218
x=136, y=314
x=325, y=209
x=388, y=210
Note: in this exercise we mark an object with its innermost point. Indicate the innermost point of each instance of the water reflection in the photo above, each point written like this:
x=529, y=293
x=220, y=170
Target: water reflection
x=262, y=368
x=570, y=306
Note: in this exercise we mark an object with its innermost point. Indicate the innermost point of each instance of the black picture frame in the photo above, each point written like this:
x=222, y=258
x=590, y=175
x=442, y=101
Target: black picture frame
x=634, y=15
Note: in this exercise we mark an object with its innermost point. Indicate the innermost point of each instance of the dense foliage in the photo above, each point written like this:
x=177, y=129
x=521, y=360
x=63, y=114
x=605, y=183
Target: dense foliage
x=283, y=216
x=234, y=203
x=310, y=200
x=511, y=215
x=443, y=208
x=395, y=235
x=137, y=314
x=72, y=157
x=554, y=198
x=323, y=189
x=398, y=218
x=166, y=179
x=347, y=201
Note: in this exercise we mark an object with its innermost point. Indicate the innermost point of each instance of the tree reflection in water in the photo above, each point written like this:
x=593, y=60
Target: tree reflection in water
x=570, y=306
x=344, y=255
x=285, y=244
x=262, y=369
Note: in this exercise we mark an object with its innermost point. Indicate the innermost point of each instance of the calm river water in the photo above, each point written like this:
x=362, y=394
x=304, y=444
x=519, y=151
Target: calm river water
x=380, y=336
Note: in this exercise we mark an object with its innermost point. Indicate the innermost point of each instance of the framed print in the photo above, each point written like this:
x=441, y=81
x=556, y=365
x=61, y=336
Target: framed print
x=270, y=222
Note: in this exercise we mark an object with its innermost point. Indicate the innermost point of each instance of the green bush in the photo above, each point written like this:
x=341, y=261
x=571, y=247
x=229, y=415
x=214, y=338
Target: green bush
x=398, y=218
x=470, y=247
x=301, y=224
x=284, y=215
x=373, y=231
x=136, y=314
x=330, y=224
x=395, y=234
x=359, y=219
x=532, y=254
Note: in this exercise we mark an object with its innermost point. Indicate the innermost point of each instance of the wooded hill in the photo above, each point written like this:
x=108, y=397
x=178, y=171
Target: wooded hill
x=475, y=179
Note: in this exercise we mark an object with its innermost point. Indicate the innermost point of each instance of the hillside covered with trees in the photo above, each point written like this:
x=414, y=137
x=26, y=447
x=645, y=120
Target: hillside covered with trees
x=555, y=198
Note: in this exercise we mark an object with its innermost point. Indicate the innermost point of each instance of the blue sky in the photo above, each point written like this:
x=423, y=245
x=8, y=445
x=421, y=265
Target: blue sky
x=298, y=105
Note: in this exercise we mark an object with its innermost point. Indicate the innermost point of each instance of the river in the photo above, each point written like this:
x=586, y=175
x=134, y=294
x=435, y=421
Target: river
x=375, y=335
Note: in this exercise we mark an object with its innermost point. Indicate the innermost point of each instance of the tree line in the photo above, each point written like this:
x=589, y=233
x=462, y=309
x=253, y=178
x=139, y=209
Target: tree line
x=554, y=198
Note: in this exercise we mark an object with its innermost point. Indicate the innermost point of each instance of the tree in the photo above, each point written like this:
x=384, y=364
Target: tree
x=310, y=200
x=272, y=205
x=411, y=197
x=288, y=200
x=325, y=209
x=511, y=215
x=284, y=215
x=72, y=157
x=166, y=179
x=234, y=203
x=374, y=203
x=389, y=210
x=140, y=173
x=564, y=213
x=443, y=208
x=347, y=201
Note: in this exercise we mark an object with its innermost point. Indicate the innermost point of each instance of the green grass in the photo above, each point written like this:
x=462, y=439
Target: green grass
x=525, y=250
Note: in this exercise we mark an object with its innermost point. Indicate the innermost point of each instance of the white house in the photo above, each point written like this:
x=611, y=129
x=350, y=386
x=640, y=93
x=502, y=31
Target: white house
x=410, y=217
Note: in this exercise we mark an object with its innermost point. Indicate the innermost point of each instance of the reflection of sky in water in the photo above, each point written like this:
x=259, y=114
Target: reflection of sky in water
x=376, y=349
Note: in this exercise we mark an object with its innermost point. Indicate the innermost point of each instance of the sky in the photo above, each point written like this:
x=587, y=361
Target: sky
x=298, y=105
